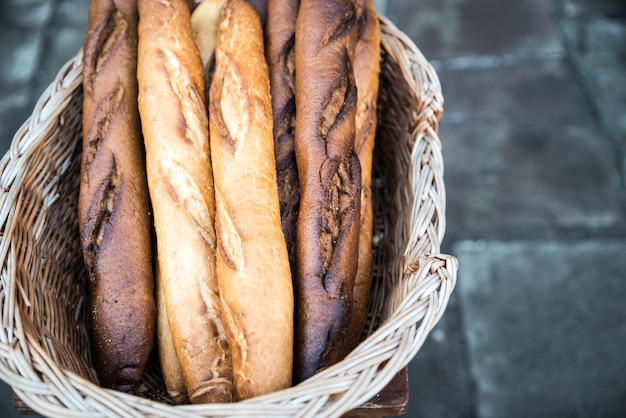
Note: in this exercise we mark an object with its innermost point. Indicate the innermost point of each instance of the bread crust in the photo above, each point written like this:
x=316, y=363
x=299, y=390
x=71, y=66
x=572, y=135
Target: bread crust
x=366, y=71
x=280, y=51
x=330, y=182
x=252, y=263
x=170, y=366
x=114, y=207
x=204, y=21
x=175, y=125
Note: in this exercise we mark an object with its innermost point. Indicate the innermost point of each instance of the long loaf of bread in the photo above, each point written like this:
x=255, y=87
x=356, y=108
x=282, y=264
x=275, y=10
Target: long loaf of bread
x=252, y=263
x=204, y=20
x=175, y=126
x=204, y=27
x=280, y=39
x=114, y=206
x=366, y=71
x=330, y=182
x=170, y=365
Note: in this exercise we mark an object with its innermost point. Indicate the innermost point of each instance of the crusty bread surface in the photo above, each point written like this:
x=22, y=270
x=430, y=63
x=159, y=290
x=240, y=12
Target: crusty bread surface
x=252, y=263
x=204, y=21
x=175, y=126
x=170, y=365
x=330, y=182
x=114, y=207
x=366, y=71
x=280, y=52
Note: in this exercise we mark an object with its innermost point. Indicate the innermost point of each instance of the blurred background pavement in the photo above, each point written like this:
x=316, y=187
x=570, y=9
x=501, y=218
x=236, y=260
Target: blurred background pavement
x=534, y=142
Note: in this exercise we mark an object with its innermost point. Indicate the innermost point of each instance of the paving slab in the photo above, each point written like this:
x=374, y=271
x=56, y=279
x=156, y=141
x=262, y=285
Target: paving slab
x=522, y=150
x=25, y=14
x=72, y=13
x=65, y=37
x=534, y=92
x=451, y=28
x=441, y=384
x=588, y=8
x=506, y=177
x=19, y=50
x=10, y=121
x=598, y=48
x=6, y=407
x=544, y=326
x=32, y=58
x=65, y=44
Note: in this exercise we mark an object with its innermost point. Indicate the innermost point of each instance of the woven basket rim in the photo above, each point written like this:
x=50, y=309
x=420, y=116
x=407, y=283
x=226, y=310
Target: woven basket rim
x=431, y=278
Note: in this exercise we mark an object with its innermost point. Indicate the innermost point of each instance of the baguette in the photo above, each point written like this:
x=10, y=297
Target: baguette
x=114, y=207
x=280, y=36
x=170, y=365
x=366, y=71
x=175, y=125
x=252, y=263
x=204, y=21
x=330, y=182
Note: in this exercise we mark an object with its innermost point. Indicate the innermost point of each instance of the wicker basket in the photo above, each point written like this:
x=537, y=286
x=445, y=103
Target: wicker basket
x=44, y=347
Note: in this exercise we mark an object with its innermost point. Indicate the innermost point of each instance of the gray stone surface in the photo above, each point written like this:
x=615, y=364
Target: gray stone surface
x=20, y=53
x=589, y=39
x=545, y=327
x=37, y=38
x=72, y=13
x=69, y=25
x=21, y=48
x=551, y=179
x=451, y=28
x=26, y=14
x=6, y=407
x=65, y=36
x=522, y=150
x=441, y=384
x=65, y=44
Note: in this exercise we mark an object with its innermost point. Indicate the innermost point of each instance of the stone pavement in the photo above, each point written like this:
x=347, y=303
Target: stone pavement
x=534, y=140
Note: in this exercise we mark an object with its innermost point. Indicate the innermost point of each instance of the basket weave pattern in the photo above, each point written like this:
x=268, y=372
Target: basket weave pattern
x=44, y=343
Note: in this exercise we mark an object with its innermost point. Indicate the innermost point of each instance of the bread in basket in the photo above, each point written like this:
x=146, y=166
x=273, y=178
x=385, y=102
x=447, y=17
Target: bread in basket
x=44, y=343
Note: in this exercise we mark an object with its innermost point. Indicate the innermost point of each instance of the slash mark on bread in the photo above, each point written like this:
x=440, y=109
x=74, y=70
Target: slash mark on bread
x=194, y=121
x=237, y=334
x=104, y=206
x=108, y=108
x=214, y=317
x=230, y=243
x=287, y=62
x=183, y=189
x=110, y=35
x=230, y=106
x=340, y=103
x=340, y=26
x=341, y=189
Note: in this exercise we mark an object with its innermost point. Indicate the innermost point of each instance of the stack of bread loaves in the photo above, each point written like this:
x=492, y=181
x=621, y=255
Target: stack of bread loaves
x=233, y=159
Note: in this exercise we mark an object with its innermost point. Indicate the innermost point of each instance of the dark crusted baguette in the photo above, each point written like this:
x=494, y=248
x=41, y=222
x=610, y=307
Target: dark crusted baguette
x=366, y=71
x=330, y=182
x=113, y=205
x=280, y=39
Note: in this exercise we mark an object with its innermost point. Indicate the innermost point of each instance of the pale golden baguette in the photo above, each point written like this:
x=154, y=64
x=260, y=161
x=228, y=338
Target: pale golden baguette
x=252, y=262
x=170, y=365
x=175, y=125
